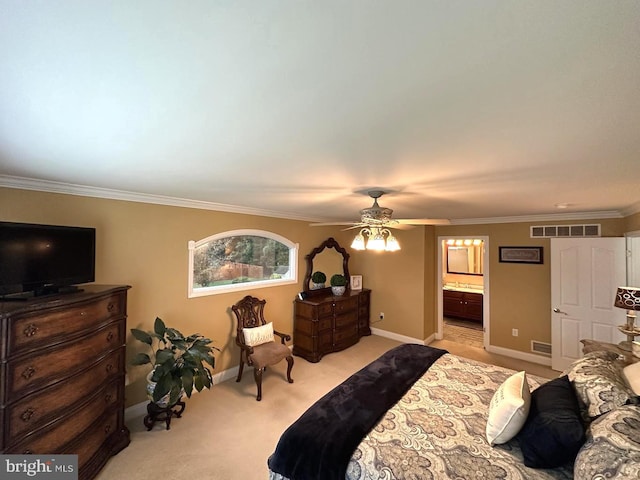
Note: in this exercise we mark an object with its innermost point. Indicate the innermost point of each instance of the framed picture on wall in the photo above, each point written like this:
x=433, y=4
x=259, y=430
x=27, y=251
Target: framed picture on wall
x=356, y=282
x=521, y=255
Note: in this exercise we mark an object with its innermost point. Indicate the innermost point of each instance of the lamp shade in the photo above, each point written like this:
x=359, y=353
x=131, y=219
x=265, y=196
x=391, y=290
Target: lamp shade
x=358, y=242
x=392, y=244
x=376, y=242
x=628, y=298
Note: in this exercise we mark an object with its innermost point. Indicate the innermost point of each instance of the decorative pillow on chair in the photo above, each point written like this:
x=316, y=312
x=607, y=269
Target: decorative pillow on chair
x=553, y=433
x=508, y=409
x=258, y=335
x=612, y=449
x=599, y=384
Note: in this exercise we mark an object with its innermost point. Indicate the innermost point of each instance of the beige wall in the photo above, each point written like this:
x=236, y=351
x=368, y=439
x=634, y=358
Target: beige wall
x=632, y=223
x=520, y=293
x=145, y=246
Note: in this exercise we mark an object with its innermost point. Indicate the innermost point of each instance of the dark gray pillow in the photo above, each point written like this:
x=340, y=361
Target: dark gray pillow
x=553, y=432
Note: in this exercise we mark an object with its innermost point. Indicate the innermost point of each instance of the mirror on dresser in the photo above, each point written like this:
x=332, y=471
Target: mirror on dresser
x=328, y=257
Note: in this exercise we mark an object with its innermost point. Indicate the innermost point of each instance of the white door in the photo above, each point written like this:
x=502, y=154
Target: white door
x=585, y=273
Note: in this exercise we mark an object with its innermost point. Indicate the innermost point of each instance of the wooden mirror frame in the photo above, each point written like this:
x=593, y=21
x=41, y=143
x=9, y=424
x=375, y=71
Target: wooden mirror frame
x=328, y=243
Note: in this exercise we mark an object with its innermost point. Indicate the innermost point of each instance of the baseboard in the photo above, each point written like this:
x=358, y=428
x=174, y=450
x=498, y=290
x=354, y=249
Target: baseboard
x=395, y=336
x=140, y=409
x=528, y=357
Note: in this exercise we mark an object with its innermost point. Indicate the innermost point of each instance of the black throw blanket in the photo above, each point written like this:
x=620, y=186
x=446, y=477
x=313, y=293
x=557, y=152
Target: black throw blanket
x=320, y=443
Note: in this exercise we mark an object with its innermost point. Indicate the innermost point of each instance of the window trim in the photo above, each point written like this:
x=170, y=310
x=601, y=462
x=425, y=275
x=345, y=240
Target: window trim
x=237, y=287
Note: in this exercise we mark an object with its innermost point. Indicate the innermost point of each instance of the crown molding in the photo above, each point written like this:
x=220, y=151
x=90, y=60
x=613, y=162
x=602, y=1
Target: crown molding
x=631, y=210
x=99, y=192
x=50, y=186
x=544, y=217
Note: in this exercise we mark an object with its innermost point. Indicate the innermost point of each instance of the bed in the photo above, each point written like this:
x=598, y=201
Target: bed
x=430, y=421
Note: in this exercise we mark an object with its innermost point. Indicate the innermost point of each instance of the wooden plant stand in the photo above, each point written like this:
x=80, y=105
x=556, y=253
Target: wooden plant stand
x=163, y=414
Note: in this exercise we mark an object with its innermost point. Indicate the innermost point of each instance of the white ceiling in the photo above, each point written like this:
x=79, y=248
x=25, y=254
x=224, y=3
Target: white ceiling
x=462, y=109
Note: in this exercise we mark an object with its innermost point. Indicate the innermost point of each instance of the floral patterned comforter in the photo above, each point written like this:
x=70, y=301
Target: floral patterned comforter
x=437, y=431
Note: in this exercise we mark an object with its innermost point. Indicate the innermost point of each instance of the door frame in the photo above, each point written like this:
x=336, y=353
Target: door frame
x=486, y=310
x=633, y=267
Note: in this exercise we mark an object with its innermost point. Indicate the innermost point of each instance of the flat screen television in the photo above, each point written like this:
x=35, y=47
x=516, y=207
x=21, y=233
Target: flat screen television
x=44, y=259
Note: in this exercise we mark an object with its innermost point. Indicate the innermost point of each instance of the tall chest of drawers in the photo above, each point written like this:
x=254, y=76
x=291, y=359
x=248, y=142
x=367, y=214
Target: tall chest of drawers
x=62, y=365
x=327, y=323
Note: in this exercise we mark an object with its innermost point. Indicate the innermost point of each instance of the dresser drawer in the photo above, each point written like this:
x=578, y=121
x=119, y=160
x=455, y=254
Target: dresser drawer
x=348, y=319
x=47, y=368
x=325, y=324
x=36, y=409
x=53, y=440
x=31, y=330
x=94, y=440
x=346, y=305
x=325, y=341
x=345, y=337
x=325, y=309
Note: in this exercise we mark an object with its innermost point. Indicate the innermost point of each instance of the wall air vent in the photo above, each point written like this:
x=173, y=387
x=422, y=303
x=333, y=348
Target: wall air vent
x=541, y=347
x=565, y=231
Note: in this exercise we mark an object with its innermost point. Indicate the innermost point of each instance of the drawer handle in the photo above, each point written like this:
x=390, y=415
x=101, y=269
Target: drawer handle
x=82, y=314
x=27, y=414
x=107, y=429
x=110, y=307
x=109, y=368
x=30, y=330
x=107, y=398
x=110, y=336
x=28, y=373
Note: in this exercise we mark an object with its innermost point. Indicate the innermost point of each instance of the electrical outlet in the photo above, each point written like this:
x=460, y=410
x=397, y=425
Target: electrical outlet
x=381, y=315
x=514, y=332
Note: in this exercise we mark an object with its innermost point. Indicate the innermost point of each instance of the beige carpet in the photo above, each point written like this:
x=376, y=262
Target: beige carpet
x=225, y=434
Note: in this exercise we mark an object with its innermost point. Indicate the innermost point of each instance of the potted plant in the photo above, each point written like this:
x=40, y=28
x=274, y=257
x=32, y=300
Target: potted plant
x=338, y=284
x=179, y=363
x=318, y=278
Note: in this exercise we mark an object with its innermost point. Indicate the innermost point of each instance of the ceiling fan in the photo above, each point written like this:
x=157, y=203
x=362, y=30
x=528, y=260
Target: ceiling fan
x=380, y=217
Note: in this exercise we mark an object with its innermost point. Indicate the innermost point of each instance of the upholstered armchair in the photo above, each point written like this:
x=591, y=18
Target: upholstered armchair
x=255, y=337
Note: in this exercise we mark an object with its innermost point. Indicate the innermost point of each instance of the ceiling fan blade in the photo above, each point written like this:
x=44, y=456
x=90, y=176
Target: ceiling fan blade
x=423, y=221
x=401, y=226
x=327, y=224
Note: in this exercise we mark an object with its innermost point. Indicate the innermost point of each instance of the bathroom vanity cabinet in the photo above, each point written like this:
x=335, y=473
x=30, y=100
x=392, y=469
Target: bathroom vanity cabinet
x=464, y=305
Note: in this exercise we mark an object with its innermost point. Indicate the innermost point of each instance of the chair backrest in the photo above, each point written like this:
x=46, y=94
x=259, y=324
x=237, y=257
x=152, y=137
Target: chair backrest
x=250, y=313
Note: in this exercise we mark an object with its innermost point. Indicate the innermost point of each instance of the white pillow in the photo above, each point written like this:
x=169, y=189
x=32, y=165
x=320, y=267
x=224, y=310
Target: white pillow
x=258, y=335
x=508, y=409
x=631, y=374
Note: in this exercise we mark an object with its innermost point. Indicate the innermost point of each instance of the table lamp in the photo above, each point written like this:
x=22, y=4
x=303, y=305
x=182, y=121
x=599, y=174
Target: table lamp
x=629, y=299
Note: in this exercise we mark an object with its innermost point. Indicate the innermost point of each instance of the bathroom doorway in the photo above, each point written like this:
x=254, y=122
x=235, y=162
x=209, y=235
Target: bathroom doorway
x=463, y=290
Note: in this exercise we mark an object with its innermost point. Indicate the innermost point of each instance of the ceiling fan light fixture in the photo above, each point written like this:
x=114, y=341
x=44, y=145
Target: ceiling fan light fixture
x=376, y=240
x=392, y=244
x=358, y=242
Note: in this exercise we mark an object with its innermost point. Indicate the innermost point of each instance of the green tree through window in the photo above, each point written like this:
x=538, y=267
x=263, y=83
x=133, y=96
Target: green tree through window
x=221, y=262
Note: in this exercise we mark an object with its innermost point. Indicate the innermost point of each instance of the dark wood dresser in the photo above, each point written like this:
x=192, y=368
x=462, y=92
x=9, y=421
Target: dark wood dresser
x=63, y=374
x=324, y=323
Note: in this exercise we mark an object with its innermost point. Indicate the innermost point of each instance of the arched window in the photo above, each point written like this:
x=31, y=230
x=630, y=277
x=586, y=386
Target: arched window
x=241, y=260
